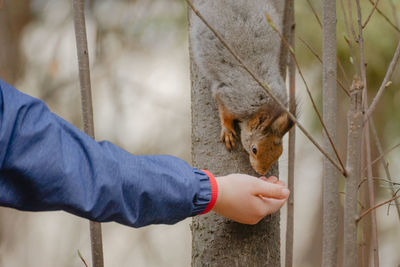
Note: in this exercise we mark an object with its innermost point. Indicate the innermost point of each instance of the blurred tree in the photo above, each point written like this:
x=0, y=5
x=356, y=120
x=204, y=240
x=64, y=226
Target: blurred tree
x=14, y=16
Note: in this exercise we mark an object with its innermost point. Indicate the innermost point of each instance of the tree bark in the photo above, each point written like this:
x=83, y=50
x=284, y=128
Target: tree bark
x=218, y=241
x=330, y=174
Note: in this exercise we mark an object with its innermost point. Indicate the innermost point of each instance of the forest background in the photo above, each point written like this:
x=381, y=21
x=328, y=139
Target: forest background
x=141, y=92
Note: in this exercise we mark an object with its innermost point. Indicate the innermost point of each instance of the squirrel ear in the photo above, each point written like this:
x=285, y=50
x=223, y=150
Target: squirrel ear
x=261, y=120
x=282, y=124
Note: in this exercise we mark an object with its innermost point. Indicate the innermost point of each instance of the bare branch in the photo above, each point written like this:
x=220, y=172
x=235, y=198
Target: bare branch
x=351, y=23
x=367, y=139
x=87, y=111
x=289, y=9
x=383, y=154
x=385, y=167
x=315, y=13
x=375, y=207
x=394, y=10
x=320, y=60
x=379, y=179
x=385, y=17
x=370, y=14
x=82, y=259
x=348, y=41
x=265, y=86
x=385, y=81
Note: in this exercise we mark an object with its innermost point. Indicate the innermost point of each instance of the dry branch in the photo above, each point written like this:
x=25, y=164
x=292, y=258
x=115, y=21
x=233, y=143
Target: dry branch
x=289, y=8
x=348, y=41
x=385, y=17
x=383, y=153
x=370, y=14
x=385, y=81
x=82, y=259
x=376, y=206
x=320, y=60
x=87, y=111
x=266, y=87
x=363, y=72
x=385, y=167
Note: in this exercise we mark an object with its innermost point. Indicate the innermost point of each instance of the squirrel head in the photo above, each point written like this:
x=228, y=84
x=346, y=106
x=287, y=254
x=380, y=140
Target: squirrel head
x=262, y=138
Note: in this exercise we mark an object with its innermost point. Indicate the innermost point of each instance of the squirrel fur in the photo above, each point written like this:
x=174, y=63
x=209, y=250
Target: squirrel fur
x=239, y=98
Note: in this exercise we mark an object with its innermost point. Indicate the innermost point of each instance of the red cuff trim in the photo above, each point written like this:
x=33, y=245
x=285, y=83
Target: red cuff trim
x=214, y=192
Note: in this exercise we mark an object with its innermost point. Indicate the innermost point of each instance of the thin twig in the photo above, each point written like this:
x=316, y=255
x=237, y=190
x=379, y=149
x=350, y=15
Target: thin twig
x=378, y=179
x=385, y=154
x=87, y=112
x=370, y=14
x=289, y=9
x=315, y=13
x=266, y=87
x=375, y=207
x=351, y=24
x=394, y=10
x=348, y=41
x=320, y=60
x=385, y=166
x=385, y=81
x=82, y=259
x=367, y=139
x=385, y=17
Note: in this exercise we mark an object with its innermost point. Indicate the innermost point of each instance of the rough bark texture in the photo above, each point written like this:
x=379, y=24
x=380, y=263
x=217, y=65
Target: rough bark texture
x=87, y=112
x=353, y=167
x=216, y=240
x=330, y=174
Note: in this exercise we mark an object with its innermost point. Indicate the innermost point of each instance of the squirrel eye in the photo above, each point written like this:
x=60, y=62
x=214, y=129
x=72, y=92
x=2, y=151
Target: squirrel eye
x=254, y=150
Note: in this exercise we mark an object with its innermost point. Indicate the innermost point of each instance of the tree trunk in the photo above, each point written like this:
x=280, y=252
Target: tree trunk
x=218, y=241
x=330, y=173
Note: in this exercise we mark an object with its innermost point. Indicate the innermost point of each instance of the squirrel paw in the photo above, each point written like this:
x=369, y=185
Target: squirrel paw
x=228, y=137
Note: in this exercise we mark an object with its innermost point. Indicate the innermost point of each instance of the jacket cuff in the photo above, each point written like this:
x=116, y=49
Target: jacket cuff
x=208, y=193
x=214, y=192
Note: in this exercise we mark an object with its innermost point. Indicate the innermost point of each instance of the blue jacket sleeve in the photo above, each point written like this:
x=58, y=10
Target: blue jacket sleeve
x=47, y=164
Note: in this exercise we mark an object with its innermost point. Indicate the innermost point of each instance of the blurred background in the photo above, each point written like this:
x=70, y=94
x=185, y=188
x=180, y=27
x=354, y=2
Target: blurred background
x=141, y=91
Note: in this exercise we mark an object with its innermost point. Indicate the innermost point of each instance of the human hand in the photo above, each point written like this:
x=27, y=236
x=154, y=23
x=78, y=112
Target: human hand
x=247, y=199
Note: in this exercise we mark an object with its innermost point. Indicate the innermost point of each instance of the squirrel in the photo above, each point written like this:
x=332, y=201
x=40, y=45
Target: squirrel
x=239, y=98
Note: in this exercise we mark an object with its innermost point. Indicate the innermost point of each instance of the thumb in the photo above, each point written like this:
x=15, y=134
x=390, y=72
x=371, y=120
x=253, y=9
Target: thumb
x=271, y=190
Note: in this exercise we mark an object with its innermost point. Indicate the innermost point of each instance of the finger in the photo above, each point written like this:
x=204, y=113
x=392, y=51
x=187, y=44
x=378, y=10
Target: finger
x=271, y=179
x=271, y=190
